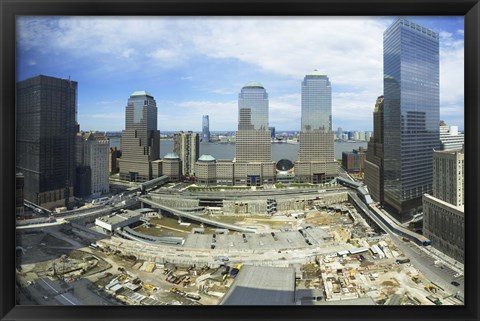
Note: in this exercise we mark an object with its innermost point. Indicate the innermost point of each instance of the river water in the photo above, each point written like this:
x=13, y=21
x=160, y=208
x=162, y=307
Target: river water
x=227, y=151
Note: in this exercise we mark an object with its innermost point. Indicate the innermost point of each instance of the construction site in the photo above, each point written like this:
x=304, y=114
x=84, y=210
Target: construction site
x=330, y=254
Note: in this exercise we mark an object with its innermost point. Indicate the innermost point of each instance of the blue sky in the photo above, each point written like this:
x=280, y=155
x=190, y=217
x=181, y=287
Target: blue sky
x=197, y=65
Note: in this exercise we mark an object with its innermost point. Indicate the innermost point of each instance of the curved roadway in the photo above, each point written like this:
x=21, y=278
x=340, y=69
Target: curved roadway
x=195, y=217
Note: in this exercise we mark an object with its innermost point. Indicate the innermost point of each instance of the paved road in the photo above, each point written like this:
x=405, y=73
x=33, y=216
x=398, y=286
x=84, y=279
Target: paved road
x=422, y=260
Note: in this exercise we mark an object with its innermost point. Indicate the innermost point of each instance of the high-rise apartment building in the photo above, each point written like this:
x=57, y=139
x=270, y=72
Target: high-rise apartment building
x=186, y=146
x=316, y=162
x=339, y=133
x=45, y=139
x=205, y=129
x=93, y=150
x=140, y=142
x=450, y=138
x=374, y=160
x=411, y=115
x=253, y=142
x=443, y=212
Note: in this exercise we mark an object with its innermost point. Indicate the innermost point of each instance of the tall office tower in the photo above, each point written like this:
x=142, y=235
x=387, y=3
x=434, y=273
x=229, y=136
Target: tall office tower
x=411, y=114
x=45, y=139
x=374, y=160
x=253, y=148
x=93, y=151
x=253, y=137
x=316, y=162
x=339, y=133
x=140, y=142
x=443, y=212
x=186, y=146
x=450, y=138
x=205, y=129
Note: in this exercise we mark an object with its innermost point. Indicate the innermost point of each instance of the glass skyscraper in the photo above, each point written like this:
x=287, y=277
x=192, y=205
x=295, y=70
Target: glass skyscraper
x=46, y=127
x=205, y=129
x=316, y=102
x=316, y=162
x=140, y=142
x=411, y=114
x=253, y=106
x=253, y=136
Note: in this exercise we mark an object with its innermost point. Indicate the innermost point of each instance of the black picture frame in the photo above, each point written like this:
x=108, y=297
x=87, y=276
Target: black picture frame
x=11, y=8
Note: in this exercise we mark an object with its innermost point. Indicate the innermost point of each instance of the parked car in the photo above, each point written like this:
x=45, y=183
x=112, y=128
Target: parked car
x=455, y=283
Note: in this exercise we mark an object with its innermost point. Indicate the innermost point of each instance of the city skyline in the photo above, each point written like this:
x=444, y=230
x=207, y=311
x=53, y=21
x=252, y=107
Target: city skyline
x=199, y=68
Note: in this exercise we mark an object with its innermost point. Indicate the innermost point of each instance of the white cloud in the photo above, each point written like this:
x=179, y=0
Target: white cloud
x=348, y=49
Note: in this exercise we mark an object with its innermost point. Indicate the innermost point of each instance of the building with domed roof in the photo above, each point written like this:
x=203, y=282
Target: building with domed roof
x=205, y=170
x=170, y=165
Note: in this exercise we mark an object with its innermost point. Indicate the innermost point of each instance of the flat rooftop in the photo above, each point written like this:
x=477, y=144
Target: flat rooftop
x=119, y=217
x=261, y=285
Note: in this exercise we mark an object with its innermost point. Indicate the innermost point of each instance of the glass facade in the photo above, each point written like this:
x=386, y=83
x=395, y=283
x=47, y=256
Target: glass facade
x=253, y=106
x=411, y=113
x=140, y=142
x=141, y=112
x=253, y=135
x=316, y=102
x=45, y=138
x=205, y=129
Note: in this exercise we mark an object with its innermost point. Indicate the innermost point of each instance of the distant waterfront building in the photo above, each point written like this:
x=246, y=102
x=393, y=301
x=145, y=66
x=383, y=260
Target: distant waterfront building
x=443, y=212
x=93, y=150
x=272, y=132
x=353, y=161
x=45, y=139
x=205, y=129
x=187, y=146
x=368, y=136
x=316, y=160
x=450, y=138
x=253, y=148
x=411, y=115
x=361, y=136
x=339, y=133
x=140, y=142
x=374, y=160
